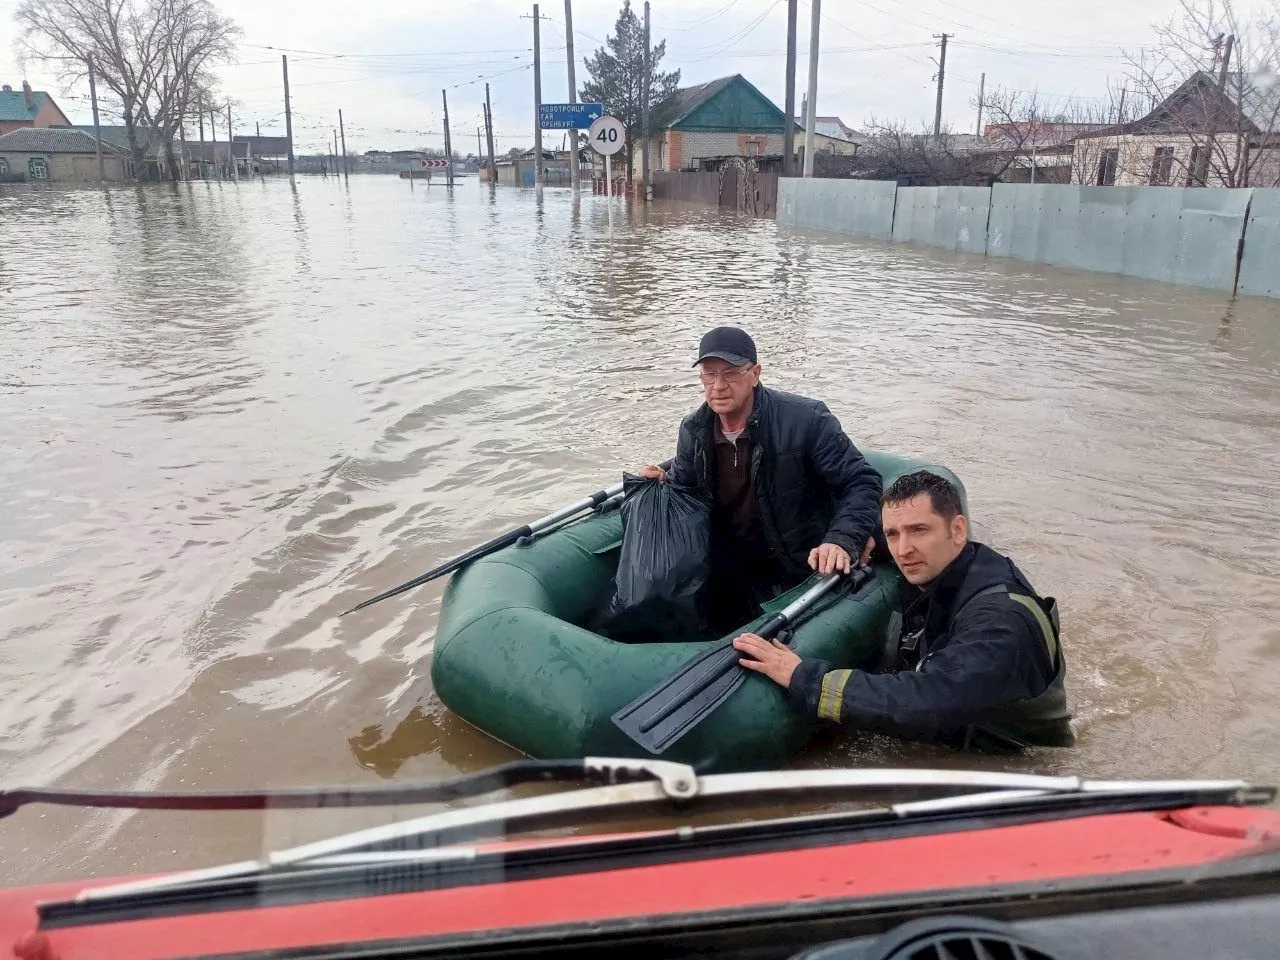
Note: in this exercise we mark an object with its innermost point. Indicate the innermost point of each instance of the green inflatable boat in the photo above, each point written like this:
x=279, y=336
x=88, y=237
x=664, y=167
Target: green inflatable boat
x=512, y=658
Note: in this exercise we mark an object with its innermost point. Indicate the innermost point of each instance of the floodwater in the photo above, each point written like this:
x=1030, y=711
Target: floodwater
x=231, y=411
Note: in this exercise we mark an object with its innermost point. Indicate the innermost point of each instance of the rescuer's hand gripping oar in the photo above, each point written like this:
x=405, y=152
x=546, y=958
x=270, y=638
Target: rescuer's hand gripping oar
x=659, y=718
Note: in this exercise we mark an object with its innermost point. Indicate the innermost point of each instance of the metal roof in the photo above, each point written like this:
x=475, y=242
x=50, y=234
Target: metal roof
x=51, y=140
x=13, y=104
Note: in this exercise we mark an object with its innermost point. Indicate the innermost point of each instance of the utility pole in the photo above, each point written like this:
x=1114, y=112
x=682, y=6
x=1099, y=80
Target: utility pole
x=231, y=147
x=789, y=134
x=1120, y=111
x=573, y=89
x=346, y=169
x=645, y=95
x=97, y=130
x=488, y=126
x=942, y=75
x=982, y=90
x=448, y=143
x=811, y=122
x=335, y=152
x=200, y=120
x=257, y=129
x=1206, y=158
x=288, y=112
x=537, y=103
x=479, y=145
x=213, y=137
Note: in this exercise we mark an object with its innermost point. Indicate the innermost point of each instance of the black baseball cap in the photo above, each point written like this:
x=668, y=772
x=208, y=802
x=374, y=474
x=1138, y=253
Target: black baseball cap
x=727, y=343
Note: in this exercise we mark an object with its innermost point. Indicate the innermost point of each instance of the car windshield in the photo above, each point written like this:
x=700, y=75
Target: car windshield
x=369, y=426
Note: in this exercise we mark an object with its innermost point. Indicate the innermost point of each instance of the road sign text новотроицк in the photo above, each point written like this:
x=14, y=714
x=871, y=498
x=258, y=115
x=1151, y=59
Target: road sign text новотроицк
x=569, y=116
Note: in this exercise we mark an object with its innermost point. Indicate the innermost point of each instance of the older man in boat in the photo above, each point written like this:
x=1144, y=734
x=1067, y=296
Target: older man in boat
x=973, y=657
x=790, y=492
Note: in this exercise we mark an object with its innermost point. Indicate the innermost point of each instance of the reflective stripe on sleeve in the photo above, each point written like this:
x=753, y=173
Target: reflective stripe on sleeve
x=832, y=698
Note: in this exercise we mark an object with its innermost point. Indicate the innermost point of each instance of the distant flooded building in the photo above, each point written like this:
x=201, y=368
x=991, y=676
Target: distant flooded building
x=58, y=155
x=725, y=117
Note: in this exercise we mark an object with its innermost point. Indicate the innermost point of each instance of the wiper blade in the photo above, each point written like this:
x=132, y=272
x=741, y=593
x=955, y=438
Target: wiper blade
x=675, y=778
x=966, y=790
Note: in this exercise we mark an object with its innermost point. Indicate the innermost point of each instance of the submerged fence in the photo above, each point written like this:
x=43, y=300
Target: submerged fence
x=1222, y=239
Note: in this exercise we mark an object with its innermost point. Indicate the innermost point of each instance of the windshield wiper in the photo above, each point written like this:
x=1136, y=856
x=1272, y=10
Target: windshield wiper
x=649, y=783
x=677, y=779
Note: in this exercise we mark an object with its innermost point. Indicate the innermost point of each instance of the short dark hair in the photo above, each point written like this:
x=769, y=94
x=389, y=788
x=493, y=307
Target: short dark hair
x=942, y=493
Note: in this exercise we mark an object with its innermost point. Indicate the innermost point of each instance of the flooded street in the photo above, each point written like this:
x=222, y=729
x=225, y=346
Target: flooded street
x=232, y=411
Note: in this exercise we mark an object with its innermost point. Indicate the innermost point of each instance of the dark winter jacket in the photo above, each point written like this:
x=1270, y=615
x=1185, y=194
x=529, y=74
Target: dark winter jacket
x=811, y=484
x=973, y=660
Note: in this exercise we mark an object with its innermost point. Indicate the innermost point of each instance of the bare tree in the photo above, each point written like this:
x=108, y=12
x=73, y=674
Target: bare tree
x=893, y=151
x=1035, y=135
x=154, y=56
x=1228, y=118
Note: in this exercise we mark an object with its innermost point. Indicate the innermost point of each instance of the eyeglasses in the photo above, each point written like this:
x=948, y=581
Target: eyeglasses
x=732, y=375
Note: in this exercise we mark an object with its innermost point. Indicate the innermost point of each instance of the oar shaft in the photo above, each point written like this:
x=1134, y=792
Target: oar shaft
x=587, y=503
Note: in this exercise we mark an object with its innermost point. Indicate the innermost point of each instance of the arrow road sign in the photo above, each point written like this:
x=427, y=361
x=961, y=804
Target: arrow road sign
x=569, y=116
x=434, y=163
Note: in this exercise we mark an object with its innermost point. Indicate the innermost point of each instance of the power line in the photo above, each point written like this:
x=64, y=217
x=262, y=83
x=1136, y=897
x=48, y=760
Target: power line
x=360, y=56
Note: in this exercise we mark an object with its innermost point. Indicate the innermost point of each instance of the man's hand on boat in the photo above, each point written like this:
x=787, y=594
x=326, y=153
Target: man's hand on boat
x=770, y=657
x=830, y=557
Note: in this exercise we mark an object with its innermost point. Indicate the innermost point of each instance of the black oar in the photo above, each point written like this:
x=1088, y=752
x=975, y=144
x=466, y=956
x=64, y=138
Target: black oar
x=657, y=719
x=498, y=543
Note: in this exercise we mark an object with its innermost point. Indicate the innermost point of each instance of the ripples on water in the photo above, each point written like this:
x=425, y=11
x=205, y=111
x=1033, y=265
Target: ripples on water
x=232, y=411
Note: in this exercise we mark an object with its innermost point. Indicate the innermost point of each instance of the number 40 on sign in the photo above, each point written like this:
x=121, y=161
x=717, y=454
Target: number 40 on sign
x=607, y=135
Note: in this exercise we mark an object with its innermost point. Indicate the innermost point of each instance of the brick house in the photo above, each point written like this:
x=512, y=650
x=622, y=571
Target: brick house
x=28, y=108
x=1170, y=146
x=724, y=117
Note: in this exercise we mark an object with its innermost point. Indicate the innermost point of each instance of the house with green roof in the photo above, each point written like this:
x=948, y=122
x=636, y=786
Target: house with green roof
x=28, y=108
x=727, y=117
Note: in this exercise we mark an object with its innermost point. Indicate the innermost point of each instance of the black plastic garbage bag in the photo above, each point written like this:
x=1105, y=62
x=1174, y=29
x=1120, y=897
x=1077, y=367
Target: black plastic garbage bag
x=664, y=564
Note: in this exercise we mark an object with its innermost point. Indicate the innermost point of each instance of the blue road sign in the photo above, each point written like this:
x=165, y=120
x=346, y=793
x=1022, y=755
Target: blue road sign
x=569, y=116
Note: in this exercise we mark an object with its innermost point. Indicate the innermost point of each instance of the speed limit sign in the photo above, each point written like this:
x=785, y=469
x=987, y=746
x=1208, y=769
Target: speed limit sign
x=607, y=135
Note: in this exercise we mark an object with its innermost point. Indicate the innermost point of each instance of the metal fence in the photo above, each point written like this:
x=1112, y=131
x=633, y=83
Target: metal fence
x=1221, y=239
x=736, y=188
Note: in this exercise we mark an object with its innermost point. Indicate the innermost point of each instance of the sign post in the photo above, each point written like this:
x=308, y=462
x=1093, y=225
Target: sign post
x=608, y=135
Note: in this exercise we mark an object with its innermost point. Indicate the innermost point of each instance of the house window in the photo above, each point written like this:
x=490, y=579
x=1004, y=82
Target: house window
x=753, y=148
x=1107, y=167
x=4, y=167
x=1194, y=178
x=38, y=168
x=1162, y=166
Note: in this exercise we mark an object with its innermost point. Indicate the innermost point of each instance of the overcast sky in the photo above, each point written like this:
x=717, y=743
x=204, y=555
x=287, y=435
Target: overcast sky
x=384, y=63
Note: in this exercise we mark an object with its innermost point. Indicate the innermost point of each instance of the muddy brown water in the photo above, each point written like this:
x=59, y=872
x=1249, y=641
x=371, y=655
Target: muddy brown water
x=229, y=412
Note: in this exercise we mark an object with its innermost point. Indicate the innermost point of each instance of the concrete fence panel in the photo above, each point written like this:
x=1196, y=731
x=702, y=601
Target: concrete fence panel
x=857, y=208
x=1260, y=267
x=954, y=218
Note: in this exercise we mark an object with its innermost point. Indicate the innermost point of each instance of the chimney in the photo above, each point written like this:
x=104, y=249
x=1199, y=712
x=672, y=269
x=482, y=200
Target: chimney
x=26, y=92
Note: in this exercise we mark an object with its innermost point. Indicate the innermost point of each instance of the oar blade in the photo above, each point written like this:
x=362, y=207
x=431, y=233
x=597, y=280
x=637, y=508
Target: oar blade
x=661, y=716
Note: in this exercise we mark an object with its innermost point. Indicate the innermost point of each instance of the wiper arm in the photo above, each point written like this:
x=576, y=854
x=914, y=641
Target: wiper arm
x=428, y=834
x=676, y=779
